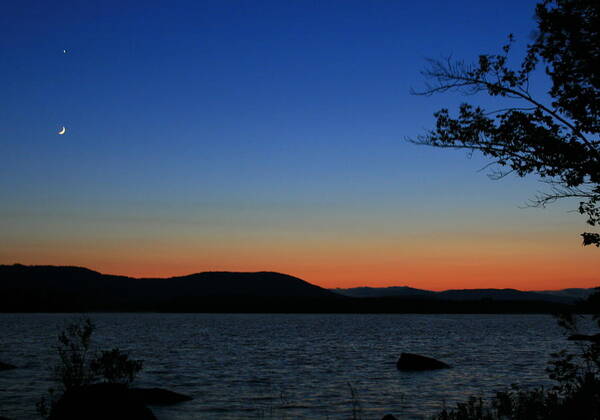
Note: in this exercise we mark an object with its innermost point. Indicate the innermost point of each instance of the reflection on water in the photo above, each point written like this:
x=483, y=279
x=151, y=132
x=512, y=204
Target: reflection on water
x=292, y=366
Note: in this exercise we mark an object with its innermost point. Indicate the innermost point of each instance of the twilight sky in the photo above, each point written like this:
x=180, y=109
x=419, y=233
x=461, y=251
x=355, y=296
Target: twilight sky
x=263, y=135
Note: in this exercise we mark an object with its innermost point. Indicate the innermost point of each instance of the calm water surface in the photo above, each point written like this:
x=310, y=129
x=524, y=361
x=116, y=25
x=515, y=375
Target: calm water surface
x=239, y=366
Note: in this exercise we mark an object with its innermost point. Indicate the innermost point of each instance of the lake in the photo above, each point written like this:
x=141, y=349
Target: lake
x=291, y=366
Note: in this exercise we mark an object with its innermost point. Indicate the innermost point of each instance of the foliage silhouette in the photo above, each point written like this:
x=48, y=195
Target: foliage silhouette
x=575, y=396
x=557, y=139
x=79, y=366
x=73, y=370
x=115, y=367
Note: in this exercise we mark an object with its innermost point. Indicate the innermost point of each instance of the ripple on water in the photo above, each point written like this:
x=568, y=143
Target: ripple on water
x=292, y=366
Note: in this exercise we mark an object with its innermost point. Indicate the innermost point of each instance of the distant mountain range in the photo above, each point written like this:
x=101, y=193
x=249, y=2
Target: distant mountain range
x=560, y=296
x=76, y=289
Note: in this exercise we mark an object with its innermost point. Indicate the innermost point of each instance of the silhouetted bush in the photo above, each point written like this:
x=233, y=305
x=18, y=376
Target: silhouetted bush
x=581, y=403
x=79, y=366
x=515, y=404
x=576, y=395
x=115, y=367
x=73, y=349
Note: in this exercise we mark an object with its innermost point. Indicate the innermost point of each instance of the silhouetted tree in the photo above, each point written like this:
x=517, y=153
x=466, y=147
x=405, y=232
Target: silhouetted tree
x=74, y=352
x=557, y=138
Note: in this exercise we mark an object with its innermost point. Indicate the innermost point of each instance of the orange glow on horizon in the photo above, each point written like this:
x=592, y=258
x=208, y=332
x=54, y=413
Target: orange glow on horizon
x=466, y=261
x=420, y=273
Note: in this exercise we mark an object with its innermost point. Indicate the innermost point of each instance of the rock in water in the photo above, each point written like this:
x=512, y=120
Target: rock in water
x=585, y=337
x=158, y=396
x=6, y=366
x=100, y=402
x=409, y=361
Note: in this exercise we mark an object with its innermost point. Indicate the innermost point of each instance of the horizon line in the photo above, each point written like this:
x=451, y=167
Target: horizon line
x=294, y=276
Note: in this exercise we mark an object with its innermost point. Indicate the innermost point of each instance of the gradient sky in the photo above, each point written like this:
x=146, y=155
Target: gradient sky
x=263, y=135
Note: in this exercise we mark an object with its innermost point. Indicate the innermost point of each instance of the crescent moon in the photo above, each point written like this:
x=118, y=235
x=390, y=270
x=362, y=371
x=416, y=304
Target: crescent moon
x=62, y=131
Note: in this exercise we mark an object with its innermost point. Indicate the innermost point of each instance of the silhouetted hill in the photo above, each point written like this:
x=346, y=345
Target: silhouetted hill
x=566, y=296
x=50, y=288
x=76, y=289
x=573, y=293
x=223, y=283
x=500, y=295
x=398, y=291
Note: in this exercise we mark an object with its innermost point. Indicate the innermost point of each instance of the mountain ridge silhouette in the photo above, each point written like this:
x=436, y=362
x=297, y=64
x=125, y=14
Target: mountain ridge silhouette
x=569, y=295
x=47, y=288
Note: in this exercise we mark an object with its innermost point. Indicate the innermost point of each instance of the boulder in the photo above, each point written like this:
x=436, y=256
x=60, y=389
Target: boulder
x=585, y=337
x=6, y=366
x=409, y=361
x=158, y=396
x=100, y=402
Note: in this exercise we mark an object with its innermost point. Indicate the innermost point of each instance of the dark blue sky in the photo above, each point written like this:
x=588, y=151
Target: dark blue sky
x=202, y=88
x=211, y=126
